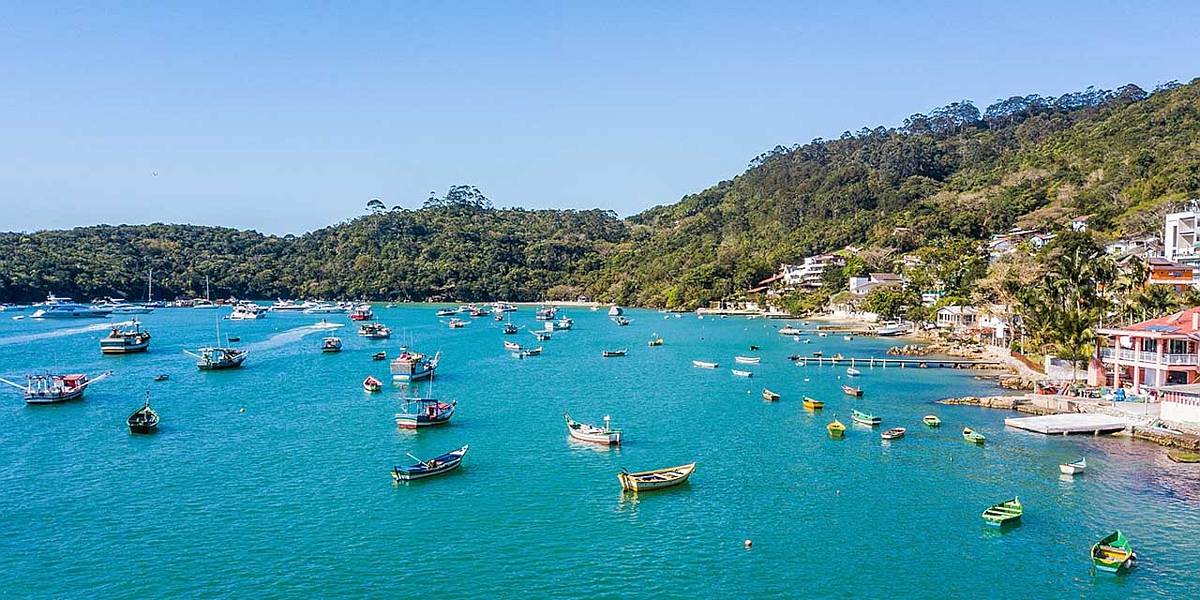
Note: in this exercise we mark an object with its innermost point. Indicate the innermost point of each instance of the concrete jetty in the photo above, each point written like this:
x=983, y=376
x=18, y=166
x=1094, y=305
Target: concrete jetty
x=1065, y=424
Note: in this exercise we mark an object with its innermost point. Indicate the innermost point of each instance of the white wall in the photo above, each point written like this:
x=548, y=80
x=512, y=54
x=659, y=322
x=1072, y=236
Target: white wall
x=1187, y=411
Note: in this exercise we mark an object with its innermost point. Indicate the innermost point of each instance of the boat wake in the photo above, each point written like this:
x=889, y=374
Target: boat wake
x=285, y=338
x=57, y=333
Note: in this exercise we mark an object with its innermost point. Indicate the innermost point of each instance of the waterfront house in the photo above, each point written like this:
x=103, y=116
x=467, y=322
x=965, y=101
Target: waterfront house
x=810, y=273
x=958, y=318
x=1153, y=354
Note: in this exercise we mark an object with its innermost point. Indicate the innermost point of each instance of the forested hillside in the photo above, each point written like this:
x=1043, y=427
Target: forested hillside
x=942, y=180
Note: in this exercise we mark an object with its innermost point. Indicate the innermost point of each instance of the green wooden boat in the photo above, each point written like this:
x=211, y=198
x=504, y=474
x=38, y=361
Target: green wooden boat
x=1113, y=554
x=973, y=436
x=865, y=419
x=1006, y=512
x=1183, y=456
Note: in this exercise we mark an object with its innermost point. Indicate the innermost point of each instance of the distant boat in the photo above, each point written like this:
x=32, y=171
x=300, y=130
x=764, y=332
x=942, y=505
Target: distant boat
x=739, y=373
x=381, y=355
x=545, y=314
x=331, y=344
x=894, y=433
x=848, y=338
x=789, y=330
x=214, y=359
x=58, y=307
x=144, y=419
x=414, y=366
x=890, y=329
x=836, y=429
x=973, y=436
x=704, y=365
x=850, y=390
x=527, y=352
x=125, y=308
x=813, y=403
x=540, y=335
x=50, y=389
x=864, y=418
x=612, y=353
x=246, y=311
x=1072, y=468
x=510, y=329
x=655, y=341
x=456, y=323
x=564, y=323
x=512, y=346
x=446, y=312
x=424, y=412
x=615, y=311
x=644, y=481
x=362, y=312
x=372, y=385
x=591, y=433
x=1004, y=513
x=769, y=396
x=620, y=321
x=1113, y=553
x=851, y=371
x=430, y=468
x=125, y=341
x=374, y=331
x=932, y=420
x=747, y=360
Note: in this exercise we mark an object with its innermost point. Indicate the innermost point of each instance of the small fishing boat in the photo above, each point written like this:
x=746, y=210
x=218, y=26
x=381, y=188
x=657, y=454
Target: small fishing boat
x=527, y=352
x=836, y=429
x=144, y=419
x=1183, y=456
x=848, y=338
x=747, y=360
x=789, y=330
x=372, y=385
x=545, y=314
x=162, y=377
x=456, y=323
x=865, y=419
x=704, y=365
x=362, y=312
x=424, y=412
x=374, y=331
x=381, y=355
x=510, y=329
x=753, y=348
x=620, y=321
x=813, y=403
x=541, y=336
x=234, y=338
x=125, y=341
x=612, y=353
x=931, y=420
x=49, y=389
x=818, y=354
x=739, y=373
x=973, y=436
x=1113, y=554
x=1073, y=468
x=564, y=323
x=591, y=433
x=769, y=396
x=644, y=481
x=499, y=317
x=894, y=433
x=430, y=468
x=414, y=366
x=215, y=359
x=655, y=341
x=331, y=344
x=850, y=390
x=822, y=334
x=512, y=346
x=1004, y=513
x=851, y=371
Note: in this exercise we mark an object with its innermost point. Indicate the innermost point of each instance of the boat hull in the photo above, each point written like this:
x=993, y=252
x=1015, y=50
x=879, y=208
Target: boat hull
x=647, y=481
x=124, y=348
x=54, y=398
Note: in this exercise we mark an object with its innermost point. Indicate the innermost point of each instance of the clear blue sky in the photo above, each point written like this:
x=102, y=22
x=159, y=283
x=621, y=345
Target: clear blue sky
x=286, y=118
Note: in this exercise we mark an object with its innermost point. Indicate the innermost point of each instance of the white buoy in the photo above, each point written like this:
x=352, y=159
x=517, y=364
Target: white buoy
x=748, y=543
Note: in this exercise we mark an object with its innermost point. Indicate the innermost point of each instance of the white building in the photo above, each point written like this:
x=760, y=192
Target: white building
x=810, y=273
x=861, y=286
x=1181, y=404
x=957, y=317
x=1179, y=237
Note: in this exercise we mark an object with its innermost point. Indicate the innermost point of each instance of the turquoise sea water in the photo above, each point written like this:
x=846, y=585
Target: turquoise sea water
x=292, y=498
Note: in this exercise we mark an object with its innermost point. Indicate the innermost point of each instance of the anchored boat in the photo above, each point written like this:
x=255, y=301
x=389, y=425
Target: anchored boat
x=704, y=365
x=747, y=360
x=424, y=412
x=850, y=390
x=331, y=344
x=836, y=429
x=414, y=366
x=372, y=385
x=374, y=331
x=144, y=419
x=894, y=433
x=644, y=481
x=430, y=468
x=612, y=353
x=813, y=403
x=655, y=341
x=591, y=433
x=865, y=419
x=362, y=312
x=125, y=341
x=851, y=371
x=931, y=420
x=740, y=373
x=510, y=329
x=512, y=346
x=769, y=396
x=49, y=389
x=973, y=436
x=1113, y=554
x=1073, y=468
x=215, y=359
x=1004, y=513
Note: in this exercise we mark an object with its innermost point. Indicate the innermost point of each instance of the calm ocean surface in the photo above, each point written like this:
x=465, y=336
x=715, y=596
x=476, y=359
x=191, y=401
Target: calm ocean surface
x=292, y=498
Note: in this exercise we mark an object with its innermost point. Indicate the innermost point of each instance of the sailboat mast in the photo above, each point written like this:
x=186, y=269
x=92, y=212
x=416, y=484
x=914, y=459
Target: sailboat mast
x=150, y=287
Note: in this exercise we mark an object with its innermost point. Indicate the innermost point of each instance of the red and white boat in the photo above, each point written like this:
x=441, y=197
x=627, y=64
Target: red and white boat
x=590, y=433
x=362, y=312
x=49, y=389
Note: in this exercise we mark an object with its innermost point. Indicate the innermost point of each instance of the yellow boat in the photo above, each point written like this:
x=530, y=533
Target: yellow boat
x=836, y=429
x=813, y=403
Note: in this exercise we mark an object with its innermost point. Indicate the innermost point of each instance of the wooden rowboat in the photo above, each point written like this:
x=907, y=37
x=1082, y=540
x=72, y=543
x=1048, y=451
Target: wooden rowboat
x=658, y=479
x=591, y=433
x=430, y=468
x=852, y=372
x=813, y=403
x=742, y=373
x=769, y=396
x=612, y=353
x=1072, y=468
x=372, y=385
x=144, y=419
x=1113, y=553
x=836, y=429
x=1004, y=513
x=850, y=390
x=864, y=418
x=894, y=433
x=704, y=365
x=932, y=420
x=748, y=360
x=973, y=436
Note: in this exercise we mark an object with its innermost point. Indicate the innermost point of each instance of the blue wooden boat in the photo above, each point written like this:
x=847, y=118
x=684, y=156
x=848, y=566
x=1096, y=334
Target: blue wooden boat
x=414, y=366
x=430, y=468
x=424, y=412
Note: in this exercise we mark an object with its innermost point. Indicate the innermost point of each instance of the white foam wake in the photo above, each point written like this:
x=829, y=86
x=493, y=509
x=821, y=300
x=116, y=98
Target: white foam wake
x=57, y=333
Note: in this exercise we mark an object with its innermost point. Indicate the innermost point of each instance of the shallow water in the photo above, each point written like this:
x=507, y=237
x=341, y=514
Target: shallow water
x=292, y=498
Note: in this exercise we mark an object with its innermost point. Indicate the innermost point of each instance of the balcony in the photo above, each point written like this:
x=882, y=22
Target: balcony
x=1149, y=357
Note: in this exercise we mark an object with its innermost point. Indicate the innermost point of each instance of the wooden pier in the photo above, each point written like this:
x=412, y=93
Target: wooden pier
x=897, y=362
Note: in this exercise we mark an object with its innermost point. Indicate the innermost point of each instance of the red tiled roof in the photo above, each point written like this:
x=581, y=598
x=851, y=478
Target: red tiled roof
x=1180, y=323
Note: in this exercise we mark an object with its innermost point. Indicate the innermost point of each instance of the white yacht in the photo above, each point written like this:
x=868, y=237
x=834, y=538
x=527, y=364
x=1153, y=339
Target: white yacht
x=58, y=307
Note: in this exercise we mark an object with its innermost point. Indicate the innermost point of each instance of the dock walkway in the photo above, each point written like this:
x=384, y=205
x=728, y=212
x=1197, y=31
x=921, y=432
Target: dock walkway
x=1065, y=424
x=919, y=362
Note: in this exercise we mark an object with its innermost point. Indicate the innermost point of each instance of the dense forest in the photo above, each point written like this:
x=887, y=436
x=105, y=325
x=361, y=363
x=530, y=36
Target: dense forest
x=938, y=183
